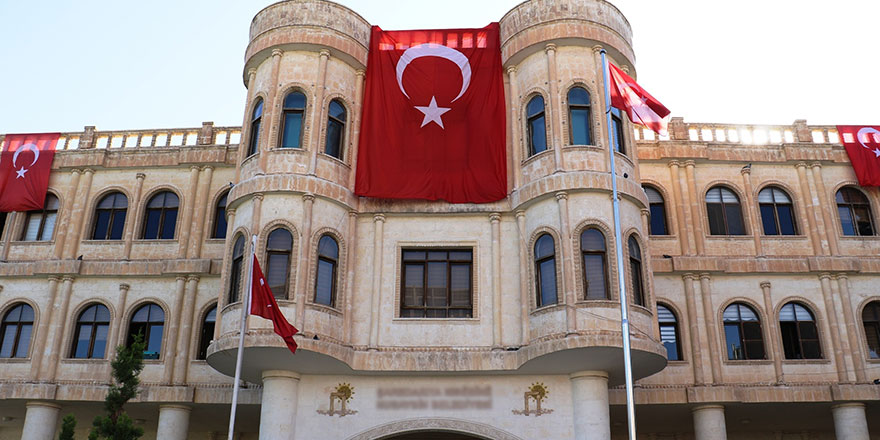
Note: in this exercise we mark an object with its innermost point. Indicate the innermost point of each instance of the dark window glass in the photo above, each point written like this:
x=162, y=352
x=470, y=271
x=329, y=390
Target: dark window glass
x=2, y=224
x=579, y=116
x=669, y=333
x=335, y=129
x=593, y=255
x=220, y=218
x=635, y=268
x=149, y=322
x=15, y=332
x=777, y=215
x=657, y=225
x=855, y=212
x=536, y=126
x=545, y=270
x=161, y=216
x=235, y=274
x=278, y=248
x=871, y=322
x=256, y=122
x=742, y=332
x=90, y=338
x=110, y=217
x=725, y=215
x=292, y=115
x=39, y=225
x=800, y=338
x=207, y=332
x=617, y=129
x=437, y=284
x=325, y=279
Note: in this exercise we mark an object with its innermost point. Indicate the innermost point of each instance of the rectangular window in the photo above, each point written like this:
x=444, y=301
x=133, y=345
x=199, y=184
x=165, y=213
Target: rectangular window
x=437, y=283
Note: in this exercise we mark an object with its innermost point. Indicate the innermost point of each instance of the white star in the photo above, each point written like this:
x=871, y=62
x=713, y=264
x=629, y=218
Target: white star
x=877, y=152
x=432, y=113
x=20, y=173
x=261, y=282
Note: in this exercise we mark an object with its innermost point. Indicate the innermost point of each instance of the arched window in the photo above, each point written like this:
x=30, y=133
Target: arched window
x=110, y=217
x=871, y=322
x=725, y=215
x=292, y=116
x=149, y=322
x=325, y=280
x=220, y=218
x=579, y=117
x=545, y=271
x=235, y=275
x=777, y=212
x=593, y=256
x=39, y=225
x=619, y=141
x=256, y=122
x=335, y=129
x=635, y=269
x=536, y=126
x=207, y=332
x=90, y=338
x=855, y=212
x=279, y=245
x=669, y=332
x=657, y=226
x=742, y=331
x=15, y=331
x=161, y=216
x=800, y=337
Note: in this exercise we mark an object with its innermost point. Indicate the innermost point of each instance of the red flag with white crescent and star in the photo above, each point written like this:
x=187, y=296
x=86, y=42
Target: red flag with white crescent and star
x=862, y=145
x=25, y=162
x=263, y=304
x=433, y=124
x=640, y=106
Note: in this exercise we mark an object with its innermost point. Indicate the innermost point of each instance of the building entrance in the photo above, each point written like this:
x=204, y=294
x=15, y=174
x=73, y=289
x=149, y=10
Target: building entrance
x=433, y=436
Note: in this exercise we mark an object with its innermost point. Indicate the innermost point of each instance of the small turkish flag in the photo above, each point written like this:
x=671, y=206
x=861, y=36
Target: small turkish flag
x=639, y=105
x=24, y=170
x=433, y=122
x=263, y=304
x=863, y=148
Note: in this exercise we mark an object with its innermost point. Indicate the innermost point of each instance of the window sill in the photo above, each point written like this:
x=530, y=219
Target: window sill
x=784, y=237
x=441, y=321
x=288, y=150
x=729, y=237
x=856, y=237
x=806, y=361
x=334, y=159
x=547, y=309
x=747, y=362
x=681, y=363
x=104, y=242
x=583, y=147
x=32, y=242
x=84, y=361
x=15, y=360
x=324, y=308
x=155, y=240
x=624, y=157
x=535, y=157
x=662, y=237
x=606, y=303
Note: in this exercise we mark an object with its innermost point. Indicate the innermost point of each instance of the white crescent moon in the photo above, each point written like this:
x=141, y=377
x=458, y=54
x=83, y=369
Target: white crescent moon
x=435, y=50
x=865, y=131
x=31, y=147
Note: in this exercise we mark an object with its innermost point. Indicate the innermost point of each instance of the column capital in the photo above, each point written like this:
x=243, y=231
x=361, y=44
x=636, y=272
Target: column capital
x=194, y=167
x=801, y=165
x=280, y=374
x=259, y=196
x=495, y=217
x=360, y=72
x=353, y=213
x=175, y=406
x=89, y=171
x=841, y=276
x=646, y=212
x=180, y=278
x=550, y=47
x=195, y=278
x=379, y=218
x=520, y=214
x=765, y=284
x=589, y=374
x=511, y=70
x=746, y=170
x=308, y=197
x=252, y=72
x=324, y=53
x=277, y=52
x=67, y=279
x=689, y=276
x=43, y=404
x=76, y=171
x=815, y=165
x=124, y=286
x=230, y=212
x=824, y=276
x=598, y=49
x=848, y=405
x=707, y=406
x=562, y=195
x=140, y=176
x=689, y=163
x=55, y=278
x=705, y=276
x=208, y=168
x=674, y=164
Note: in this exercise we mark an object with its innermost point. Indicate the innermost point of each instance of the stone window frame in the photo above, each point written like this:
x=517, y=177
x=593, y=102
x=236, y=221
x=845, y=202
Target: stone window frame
x=565, y=117
x=531, y=270
x=341, y=271
x=225, y=275
x=142, y=212
x=247, y=138
x=93, y=209
x=202, y=314
x=444, y=244
x=524, y=123
x=682, y=333
x=212, y=221
x=610, y=261
x=346, y=139
x=11, y=304
x=668, y=210
x=19, y=229
x=748, y=230
x=824, y=336
x=262, y=243
x=795, y=206
x=762, y=319
x=863, y=337
x=277, y=129
x=873, y=209
x=73, y=319
x=166, y=326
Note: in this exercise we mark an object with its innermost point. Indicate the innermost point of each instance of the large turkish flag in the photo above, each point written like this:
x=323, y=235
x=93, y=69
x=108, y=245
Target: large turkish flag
x=24, y=170
x=433, y=123
x=863, y=148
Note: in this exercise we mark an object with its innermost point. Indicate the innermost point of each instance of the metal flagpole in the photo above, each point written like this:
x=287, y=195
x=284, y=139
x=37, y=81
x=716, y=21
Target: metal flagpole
x=618, y=248
x=245, y=306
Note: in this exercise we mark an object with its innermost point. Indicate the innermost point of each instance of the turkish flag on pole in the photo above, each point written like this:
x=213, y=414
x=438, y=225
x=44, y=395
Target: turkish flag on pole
x=263, y=304
x=433, y=122
x=640, y=106
x=24, y=170
x=863, y=148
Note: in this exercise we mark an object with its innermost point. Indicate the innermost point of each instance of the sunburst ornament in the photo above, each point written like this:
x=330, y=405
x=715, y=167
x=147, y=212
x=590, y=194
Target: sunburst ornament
x=345, y=391
x=539, y=391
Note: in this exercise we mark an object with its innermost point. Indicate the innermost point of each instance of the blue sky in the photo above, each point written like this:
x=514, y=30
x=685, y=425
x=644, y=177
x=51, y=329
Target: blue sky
x=132, y=65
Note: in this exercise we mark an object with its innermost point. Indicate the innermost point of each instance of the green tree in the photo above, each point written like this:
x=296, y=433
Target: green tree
x=117, y=425
x=68, y=425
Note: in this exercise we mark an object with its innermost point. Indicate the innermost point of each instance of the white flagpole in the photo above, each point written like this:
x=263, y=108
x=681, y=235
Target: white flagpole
x=245, y=309
x=618, y=248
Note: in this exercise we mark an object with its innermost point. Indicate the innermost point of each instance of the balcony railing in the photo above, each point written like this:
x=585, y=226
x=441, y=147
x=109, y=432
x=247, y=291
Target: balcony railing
x=742, y=134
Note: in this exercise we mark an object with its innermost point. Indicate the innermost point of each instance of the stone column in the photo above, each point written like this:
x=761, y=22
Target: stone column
x=378, y=238
x=271, y=115
x=711, y=329
x=495, y=226
x=691, y=302
x=224, y=273
x=278, y=406
x=709, y=423
x=131, y=217
x=831, y=313
x=246, y=126
x=555, y=133
x=10, y=226
x=589, y=393
x=40, y=421
x=43, y=328
x=524, y=278
x=516, y=149
x=115, y=336
x=173, y=324
x=601, y=129
x=775, y=349
x=77, y=214
x=197, y=232
x=696, y=213
x=189, y=205
x=185, y=333
x=58, y=325
x=808, y=209
x=66, y=216
x=318, y=110
x=825, y=208
x=568, y=296
x=302, y=267
x=256, y=216
x=754, y=221
x=850, y=422
x=358, y=105
x=173, y=422
x=853, y=329
x=351, y=275
x=678, y=205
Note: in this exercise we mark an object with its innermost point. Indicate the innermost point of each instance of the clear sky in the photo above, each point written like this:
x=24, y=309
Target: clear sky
x=160, y=64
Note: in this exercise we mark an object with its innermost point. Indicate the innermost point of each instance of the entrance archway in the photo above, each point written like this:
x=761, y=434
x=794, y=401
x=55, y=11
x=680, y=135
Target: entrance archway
x=432, y=436
x=434, y=429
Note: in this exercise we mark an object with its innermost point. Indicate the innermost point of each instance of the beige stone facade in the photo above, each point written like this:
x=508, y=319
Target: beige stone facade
x=508, y=368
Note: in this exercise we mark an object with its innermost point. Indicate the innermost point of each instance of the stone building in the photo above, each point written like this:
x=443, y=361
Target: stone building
x=751, y=257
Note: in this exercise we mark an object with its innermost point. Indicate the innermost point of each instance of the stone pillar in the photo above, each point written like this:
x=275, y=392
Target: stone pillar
x=849, y=421
x=712, y=329
x=246, y=126
x=831, y=313
x=358, y=105
x=58, y=325
x=754, y=220
x=66, y=217
x=131, y=217
x=709, y=423
x=497, y=328
x=173, y=422
x=41, y=334
x=116, y=337
x=516, y=149
x=256, y=216
x=807, y=209
x=378, y=238
x=825, y=208
x=678, y=205
x=189, y=205
x=318, y=111
x=271, y=114
x=41, y=419
x=568, y=296
x=524, y=279
x=555, y=133
x=77, y=214
x=197, y=232
x=691, y=302
x=302, y=267
x=696, y=213
x=173, y=323
x=185, y=333
x=7, y=237
x=777, y=352
x=224, y=277
x=278, y=406
x=350, y=277
x=206, y=134
x=589, y=393
x=853, y=329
